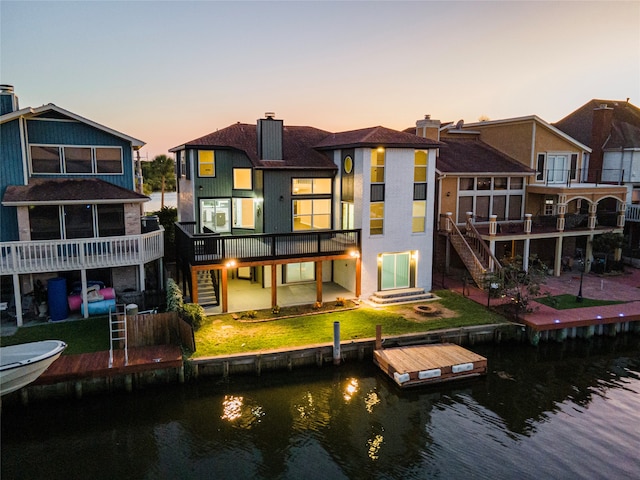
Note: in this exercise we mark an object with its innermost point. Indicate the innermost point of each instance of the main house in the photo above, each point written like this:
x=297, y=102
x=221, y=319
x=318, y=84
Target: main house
x=69, y=210
x=518, y=187
x=277, y=205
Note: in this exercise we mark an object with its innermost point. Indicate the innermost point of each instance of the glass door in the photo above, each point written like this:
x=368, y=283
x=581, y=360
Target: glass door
x=394, y=271
x=215, y=215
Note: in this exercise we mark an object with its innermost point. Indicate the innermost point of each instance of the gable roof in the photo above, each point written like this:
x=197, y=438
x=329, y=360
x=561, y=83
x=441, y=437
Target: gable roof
x=297, y=145
x=463, y=155
x=55, y=191
x=530, y=118
x=625, y=123
x=30, y=112
x=375, y=137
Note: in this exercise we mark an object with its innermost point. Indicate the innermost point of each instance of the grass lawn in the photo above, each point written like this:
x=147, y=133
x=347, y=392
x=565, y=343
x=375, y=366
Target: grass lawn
x=81, y=336
x=567, y=301
x=222, y=335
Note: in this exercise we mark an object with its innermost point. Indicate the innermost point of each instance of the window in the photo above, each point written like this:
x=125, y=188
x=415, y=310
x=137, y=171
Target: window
x=45, y=159
x=498, y=206
x=206, y=163
x=243, y=213
x=394, y=270
x=500, y=183
x=311, y=186
x=376, y=206
x=420, y=166
x=348, y=216
x=419, y=214
x=516, y=183
x=467, y=183
x=574, y=166
x=44, y=221
x=557, y=168
x=110, y=220
x=515, y=207
x=376, y=218
x=108, y=160
x=484, y=183
x=242, y=179
x=465, y=204
x=482, y=208
x=548, y=206
x=312, y=214
x=76, y=159
x=299, y=272
x=78, y=221
x=493, y=200
x=540, y=167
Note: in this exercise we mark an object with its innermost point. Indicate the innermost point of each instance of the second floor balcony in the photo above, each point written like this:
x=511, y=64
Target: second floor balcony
x=82, y=253
x=215, y=249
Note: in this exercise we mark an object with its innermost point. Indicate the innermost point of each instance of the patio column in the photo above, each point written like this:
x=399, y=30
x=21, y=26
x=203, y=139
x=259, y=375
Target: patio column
x=358, y=291
x=318, y=281
x=274, y=286
x=83, y=286
x=492, y=249
x=588, y=253
x=527, y=223
x=493, y=224
x=593, y=209
x=17, y=299
x=525, y=254
x=622, y=208
x=224, y=289
x=562, y=210
x=557, y=267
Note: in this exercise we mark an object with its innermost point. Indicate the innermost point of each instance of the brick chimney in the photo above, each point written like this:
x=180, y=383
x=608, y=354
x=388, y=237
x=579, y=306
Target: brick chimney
x=8, y=99
x=600, y=131
x=428, y=128
x=269, y=137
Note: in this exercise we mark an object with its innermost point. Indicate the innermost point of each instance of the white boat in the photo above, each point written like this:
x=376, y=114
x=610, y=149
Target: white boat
x=22, y=364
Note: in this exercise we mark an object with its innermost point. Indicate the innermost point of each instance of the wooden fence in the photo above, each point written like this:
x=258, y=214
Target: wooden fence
x=159, y=329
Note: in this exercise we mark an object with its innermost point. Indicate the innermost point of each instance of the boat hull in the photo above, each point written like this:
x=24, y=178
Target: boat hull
x=22, y=364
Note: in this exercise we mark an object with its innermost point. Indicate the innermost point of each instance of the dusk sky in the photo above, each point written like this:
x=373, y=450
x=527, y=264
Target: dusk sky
x=169, y=72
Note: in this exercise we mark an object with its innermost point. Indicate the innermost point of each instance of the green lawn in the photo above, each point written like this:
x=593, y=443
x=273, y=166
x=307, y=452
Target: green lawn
x=567, y=301
x=222, y=335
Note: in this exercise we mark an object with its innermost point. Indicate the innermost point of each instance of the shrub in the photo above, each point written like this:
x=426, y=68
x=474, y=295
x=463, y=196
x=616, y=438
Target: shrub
x=275, y=310
x=317, y=305
x=194, y=314
x=340, y=302
x=174, y=296
x=251, y=314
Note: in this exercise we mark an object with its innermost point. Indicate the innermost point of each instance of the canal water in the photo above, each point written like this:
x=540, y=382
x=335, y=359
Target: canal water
x=556, y=411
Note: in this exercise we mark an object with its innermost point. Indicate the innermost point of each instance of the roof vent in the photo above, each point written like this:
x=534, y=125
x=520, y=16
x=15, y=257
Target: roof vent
x=459, y=124
x=4, y=88
x=270, y=115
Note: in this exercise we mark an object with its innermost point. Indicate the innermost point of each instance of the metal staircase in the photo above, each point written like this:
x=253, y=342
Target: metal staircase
x=118, y=332
x=474, y=252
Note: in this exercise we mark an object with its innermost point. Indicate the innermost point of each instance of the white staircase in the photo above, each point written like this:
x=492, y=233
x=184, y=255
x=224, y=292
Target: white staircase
x=401, y=295
x=118, y=332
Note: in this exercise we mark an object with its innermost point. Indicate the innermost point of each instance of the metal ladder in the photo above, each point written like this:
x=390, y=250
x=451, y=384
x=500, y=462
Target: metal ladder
x=118, y=331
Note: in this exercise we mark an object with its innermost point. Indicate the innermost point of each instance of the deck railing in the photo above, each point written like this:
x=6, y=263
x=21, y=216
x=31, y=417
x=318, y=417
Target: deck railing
x=212, y=248
x=632, y=214
x=81, y=253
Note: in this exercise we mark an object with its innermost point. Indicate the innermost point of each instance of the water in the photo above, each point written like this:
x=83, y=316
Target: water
x=153, y=205
x=558, y=411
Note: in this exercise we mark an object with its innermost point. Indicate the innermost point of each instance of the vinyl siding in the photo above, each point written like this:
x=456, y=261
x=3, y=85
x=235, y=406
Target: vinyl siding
x=11, y=173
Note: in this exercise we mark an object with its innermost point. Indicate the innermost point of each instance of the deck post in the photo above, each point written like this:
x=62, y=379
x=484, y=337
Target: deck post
x=378, y=337
x=224, y=290
x=358, y=291
x=318, y=281
x=336, y=343
x=274, y=286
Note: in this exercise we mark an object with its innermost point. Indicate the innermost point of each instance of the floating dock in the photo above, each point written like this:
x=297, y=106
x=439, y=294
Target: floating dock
x=426, y=364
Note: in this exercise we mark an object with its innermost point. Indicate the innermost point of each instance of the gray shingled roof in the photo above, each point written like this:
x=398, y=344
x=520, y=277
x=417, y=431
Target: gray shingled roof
x=474, y=156
x=69, y=190
x=375, y=137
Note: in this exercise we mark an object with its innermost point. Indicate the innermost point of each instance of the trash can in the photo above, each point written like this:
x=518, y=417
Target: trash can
x=57, y=298
x=150, y=223
x=132, y=309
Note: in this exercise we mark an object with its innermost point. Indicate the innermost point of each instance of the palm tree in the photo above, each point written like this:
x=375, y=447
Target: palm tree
x=163, y=167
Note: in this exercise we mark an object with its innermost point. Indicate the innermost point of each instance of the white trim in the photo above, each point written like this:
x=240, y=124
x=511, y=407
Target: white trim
x=25, y=158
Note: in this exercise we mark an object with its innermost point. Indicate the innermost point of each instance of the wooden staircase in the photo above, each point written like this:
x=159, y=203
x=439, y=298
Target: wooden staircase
x=474, y=253
x=207, y=288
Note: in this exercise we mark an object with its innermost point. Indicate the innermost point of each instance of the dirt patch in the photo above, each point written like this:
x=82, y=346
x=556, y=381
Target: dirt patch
x=409, y=312
x=256, y=316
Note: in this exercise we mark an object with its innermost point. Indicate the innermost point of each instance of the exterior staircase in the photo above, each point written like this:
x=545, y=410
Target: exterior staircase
x=402, y=295
x=207, y=288
x=473, y=252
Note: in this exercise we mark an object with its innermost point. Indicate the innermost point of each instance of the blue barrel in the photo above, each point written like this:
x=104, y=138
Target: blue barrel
x=57, y=296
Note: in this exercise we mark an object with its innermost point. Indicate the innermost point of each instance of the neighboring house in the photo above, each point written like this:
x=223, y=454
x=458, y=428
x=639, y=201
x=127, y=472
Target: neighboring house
x=612, y=129
x=69, y=208
x=282, y=205
x=518, y=185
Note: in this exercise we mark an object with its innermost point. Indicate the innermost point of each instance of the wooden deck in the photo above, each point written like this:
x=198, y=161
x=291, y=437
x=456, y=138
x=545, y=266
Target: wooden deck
x=427, y=364
x=96, y=365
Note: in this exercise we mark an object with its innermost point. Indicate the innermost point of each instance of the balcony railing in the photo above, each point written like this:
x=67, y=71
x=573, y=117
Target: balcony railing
x=562, y=177
x=632, y=214
x=76, y=254
x=211, y=248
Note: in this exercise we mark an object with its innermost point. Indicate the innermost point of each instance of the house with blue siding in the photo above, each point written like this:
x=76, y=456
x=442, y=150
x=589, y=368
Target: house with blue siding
x=69, y=210
x=277, y=206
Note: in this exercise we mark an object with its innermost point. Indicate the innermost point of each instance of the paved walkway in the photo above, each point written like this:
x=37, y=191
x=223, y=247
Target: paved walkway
x=624, y=288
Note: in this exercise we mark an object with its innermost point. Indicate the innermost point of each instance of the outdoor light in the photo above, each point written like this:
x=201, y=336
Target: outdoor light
x=230, y=264
x=621, y=314
x=354, y=254
x=599, y=317
x=556, y=321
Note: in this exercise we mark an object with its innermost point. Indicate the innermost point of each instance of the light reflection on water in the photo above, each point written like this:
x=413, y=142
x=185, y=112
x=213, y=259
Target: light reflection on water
x=556, y=411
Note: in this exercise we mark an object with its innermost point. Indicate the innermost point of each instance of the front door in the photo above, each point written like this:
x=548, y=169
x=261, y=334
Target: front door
x=215, y=215
x=394, y=270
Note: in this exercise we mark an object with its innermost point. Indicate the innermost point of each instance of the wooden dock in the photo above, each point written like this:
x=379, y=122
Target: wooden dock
x=427, y=364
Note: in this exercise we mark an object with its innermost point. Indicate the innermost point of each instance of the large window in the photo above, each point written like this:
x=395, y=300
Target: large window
x=486, y=196
x=244, y=213
x=72, y=159
x=312, y=214
x=394, y=270
x=206, y=163
x=78, y=221
x=376, y=205
x=299, y=272
x=348, y=216
x=110, y=220
x=44, y=221
x=242, y=179
x=311, y=186
x=418, y=223
x=53, y=222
